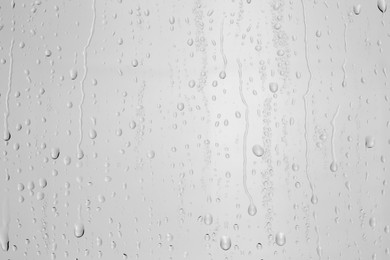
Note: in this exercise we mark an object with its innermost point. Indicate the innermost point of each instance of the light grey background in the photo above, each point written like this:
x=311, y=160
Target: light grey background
x=139, y=88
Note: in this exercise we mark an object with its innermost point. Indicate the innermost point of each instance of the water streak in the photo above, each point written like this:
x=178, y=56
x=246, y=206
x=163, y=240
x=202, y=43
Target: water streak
x=306, y=131
x=245, y=137
x=91, y=32
x=10, y=73
x=333, y=132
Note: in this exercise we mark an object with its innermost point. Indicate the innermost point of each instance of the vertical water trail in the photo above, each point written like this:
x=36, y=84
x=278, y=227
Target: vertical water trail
x=7, y=134
x=79, y=226
x=245, y=137
x=306, y=132
x=332, y=123
x=221, y=39
x=4, y=228
x=201, y=46
x=80, y=153
x=344, y=83
x=305, y=101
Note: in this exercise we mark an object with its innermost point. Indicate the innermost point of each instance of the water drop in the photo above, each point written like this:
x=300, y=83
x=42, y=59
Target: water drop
x=73, y=74
x=7, y=136
x=40, y=195
x=314, y=199
x=48, y=53
x=42, y=182
x=132, y=124
x=92, y=134
x=252, y=210
x=382, y=5
x=55, y=153
x=208, y=219
x=225, y=243
x=387, y=229
x=370, y=142
x=356, y=9
x=80, y=154
x=4, y=239
x=180, y=106
x=79, y=230
x=151, y=154
x=258, y=150
x=273, y=87
x=333, y=166
x=191, y=83
x=372, y=222
x=280, y=239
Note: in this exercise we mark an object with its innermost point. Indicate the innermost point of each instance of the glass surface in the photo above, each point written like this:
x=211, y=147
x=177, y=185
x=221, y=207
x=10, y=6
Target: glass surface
x=202, y=129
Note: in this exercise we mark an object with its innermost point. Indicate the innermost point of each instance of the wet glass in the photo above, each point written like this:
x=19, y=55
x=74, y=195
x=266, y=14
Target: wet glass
x=194, y=129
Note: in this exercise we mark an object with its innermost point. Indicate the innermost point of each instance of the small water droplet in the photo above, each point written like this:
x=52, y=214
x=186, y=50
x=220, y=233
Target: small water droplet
x=191, y=83
x=333, y=166
x=208, y=219
x=225, y=243
x=79, y=230
x=314, y=199
x=382, y=5
x=73, y=74
x=80, y=154
x=180, y=106
x=7, y=136
x=4, y=239
x=132, y=124
x=258, y=150
x=42, y=182
x=372, y=222
x=151, y=154
x=273, y=87
x=55, y=153
x=92, y=134
x=47, y=53
x=40, y=195
x=357, y=9
x=280, y=239
x=252, y=210
x=370, y=142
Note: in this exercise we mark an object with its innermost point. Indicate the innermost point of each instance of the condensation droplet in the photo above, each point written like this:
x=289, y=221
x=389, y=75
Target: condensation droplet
x=370, y=142
x=7, y=136
x=73, y=74
x=372, y=222
x=151, y=154
x=92, y=134
x=333, y=166
x=225, y=243
x=180, y=106
x=79, y=230
x=280, y=239
x=258, y=150
x=273, y=87
x=4, y=239
x=252, y=210
x=55, y=153
x=208, y=219
x=357, y=9
x=382, y=5
x=132, y=124
x=222, y=75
